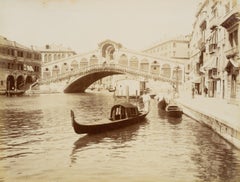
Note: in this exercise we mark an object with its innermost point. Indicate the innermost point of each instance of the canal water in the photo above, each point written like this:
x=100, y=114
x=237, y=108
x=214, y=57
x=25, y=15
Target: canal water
x=37, y=143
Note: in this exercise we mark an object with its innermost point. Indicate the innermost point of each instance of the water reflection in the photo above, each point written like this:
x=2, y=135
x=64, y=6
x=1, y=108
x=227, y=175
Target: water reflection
x=174, y=121
x=119, y=136
x=18, y=129
x=162, y=114
x=18, y=123
x=214, y=162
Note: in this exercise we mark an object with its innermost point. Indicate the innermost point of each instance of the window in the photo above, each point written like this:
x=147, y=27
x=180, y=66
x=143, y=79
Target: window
x=1, y=82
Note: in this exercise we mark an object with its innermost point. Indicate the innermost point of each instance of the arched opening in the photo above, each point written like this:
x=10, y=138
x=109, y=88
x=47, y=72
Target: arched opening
x=49, y=57
x=93, y=60
x=144, y=65
x=133, y=63
x=83, y=63
x=45, y=58
x=123, y=60
x=55, y=71
x=46, y=73
x=64, y=68
x=28, y=82
x=166, y=71
x=10, y=82
x=74, y=65
x=108, y=51
x=20, y=82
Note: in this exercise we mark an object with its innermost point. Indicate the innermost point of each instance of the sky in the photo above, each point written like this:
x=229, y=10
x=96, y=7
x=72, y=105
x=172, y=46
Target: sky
x=82, y=24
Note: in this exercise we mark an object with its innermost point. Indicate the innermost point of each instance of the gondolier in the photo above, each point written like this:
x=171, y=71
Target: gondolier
x=146, y=101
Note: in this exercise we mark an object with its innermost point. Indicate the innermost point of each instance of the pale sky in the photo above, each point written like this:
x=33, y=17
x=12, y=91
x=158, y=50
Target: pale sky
x=82, y=24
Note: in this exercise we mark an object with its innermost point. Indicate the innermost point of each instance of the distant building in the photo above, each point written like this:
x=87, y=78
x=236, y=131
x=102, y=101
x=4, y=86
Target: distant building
x=214, y=45
x=51, y=53
x=175, y=48
x=20, y=66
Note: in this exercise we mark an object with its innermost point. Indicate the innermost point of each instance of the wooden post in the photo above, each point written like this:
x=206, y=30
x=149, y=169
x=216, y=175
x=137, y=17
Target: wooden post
x=127, y=93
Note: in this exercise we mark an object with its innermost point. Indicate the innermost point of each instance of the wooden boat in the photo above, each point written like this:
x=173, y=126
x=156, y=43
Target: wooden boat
x=121, y=115
x=111, y=89
x=173, y=110
x=162, y=104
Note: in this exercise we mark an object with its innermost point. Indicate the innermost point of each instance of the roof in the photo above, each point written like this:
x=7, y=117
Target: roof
x=125, y=104
x=4, y=41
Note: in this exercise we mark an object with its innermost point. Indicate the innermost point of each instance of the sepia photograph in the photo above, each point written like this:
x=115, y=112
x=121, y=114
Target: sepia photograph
x=119, y=90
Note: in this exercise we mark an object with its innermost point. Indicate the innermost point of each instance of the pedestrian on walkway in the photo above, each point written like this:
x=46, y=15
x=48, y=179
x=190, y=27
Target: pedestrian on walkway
x=205, y=91
x=193, y=92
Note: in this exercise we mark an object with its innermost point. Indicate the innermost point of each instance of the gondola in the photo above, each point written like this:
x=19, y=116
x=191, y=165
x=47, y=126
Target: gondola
x=122, y=115
x=173, y=110
x=162, y=104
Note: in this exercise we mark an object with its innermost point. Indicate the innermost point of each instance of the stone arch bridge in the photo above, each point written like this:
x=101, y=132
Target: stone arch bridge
x=78, y=72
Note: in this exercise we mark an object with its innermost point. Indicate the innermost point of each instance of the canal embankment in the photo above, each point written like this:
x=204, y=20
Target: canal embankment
x=220, y=116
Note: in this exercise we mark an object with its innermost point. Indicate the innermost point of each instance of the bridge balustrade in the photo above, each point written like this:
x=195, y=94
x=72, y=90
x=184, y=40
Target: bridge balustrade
x=106, y=68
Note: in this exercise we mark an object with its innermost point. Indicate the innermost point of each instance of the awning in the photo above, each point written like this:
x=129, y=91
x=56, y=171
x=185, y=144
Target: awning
x=28, y=68
x=210, y=64
x=232, y=64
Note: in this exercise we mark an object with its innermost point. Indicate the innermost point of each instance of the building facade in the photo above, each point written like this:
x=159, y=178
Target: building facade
x=20, y=66
x=175, y=48
x=214, y=49
x=51, y=53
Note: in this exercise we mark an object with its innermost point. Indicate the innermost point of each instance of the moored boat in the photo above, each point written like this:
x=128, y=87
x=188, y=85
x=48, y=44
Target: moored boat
x=121, y=115
x=162, y=104
x=173, y=110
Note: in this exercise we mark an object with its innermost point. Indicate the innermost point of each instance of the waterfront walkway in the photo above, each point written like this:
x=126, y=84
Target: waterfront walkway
x=214, y=107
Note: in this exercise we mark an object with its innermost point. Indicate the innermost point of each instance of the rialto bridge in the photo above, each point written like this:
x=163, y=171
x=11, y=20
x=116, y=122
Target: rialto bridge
x=78, y=72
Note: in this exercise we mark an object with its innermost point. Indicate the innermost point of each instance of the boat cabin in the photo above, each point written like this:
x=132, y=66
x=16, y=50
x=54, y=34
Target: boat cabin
x=123, y=111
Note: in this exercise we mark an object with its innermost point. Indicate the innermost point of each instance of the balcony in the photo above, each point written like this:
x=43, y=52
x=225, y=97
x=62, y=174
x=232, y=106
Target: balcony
x=212, y=48
x=231, y=18
x=232, y=51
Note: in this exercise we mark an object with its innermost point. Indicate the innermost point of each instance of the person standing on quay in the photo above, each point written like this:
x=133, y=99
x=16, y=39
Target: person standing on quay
x=193, y=92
